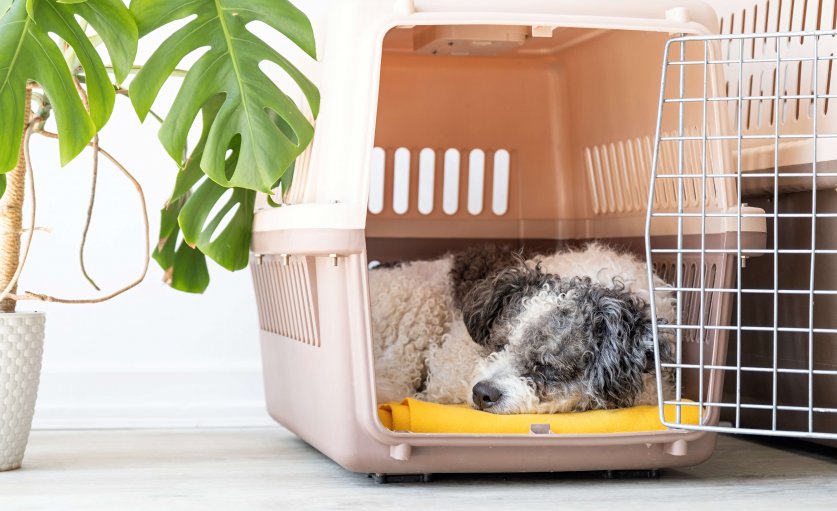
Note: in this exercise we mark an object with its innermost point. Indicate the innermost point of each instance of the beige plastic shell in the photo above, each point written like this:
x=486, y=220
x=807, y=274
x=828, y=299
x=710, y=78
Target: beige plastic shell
x=574, y=105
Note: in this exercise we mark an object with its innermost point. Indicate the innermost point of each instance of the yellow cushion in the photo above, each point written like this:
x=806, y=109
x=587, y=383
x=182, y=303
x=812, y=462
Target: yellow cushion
x=422, y=417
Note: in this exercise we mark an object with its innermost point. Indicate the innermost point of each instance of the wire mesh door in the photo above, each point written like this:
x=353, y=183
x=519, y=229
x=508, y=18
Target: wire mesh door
x=742, y=215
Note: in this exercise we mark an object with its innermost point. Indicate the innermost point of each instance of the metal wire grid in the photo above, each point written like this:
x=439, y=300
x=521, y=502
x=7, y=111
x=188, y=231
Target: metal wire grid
x=710, y=401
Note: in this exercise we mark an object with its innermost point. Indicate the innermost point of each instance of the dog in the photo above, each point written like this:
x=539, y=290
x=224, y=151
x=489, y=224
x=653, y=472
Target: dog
x=567, y=331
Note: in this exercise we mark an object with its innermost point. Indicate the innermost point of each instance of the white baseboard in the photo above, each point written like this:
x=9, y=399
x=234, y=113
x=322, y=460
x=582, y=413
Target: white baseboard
x=151, y=415
x=151, y=397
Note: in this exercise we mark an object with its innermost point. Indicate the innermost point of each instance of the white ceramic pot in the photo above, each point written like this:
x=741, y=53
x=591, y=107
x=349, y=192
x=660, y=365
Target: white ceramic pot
x=21, y=351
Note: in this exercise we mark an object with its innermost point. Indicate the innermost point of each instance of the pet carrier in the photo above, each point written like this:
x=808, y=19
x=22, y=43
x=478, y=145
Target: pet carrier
x=447, y=123
x=781, y=370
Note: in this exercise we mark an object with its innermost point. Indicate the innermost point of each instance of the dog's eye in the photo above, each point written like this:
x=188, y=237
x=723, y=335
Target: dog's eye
x=497, y=343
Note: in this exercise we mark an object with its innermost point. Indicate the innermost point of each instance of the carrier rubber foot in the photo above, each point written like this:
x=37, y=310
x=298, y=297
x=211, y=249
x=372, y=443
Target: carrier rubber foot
x=631, y=474
x=401, y=478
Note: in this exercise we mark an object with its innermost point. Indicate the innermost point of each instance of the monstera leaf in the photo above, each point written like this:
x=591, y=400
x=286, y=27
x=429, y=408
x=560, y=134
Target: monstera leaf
x=28, y=53
x=252, y=131
x=268, y=126
x=197, y=211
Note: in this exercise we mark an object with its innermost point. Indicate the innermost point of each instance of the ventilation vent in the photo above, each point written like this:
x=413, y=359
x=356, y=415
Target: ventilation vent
x=619, y=174
x=690, y=300
x=286, y=297
x=295, y=194
x=795, y=77
x=473, y=182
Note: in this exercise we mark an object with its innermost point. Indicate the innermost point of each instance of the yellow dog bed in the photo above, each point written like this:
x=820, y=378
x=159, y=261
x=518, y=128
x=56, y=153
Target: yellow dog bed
x=421, y=417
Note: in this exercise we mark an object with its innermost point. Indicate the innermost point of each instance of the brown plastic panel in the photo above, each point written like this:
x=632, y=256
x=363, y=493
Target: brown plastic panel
x=793, y=347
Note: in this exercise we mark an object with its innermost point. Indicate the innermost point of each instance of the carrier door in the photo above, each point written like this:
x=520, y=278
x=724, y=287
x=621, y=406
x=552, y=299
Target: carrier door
x=743, y=176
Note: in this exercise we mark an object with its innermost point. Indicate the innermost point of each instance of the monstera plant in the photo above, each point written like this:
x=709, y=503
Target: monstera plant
x=51, y=66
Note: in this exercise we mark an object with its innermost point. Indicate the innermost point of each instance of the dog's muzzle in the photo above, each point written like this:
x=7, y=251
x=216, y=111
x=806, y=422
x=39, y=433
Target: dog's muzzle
x=486, y=395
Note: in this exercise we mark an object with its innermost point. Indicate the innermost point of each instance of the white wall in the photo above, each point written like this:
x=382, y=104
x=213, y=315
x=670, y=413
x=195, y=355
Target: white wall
x=153, y=356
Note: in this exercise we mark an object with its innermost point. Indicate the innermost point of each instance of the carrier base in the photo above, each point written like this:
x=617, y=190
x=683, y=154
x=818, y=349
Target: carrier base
x=429, y=478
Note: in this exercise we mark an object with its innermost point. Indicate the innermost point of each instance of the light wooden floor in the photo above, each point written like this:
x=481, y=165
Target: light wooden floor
x=255, y=469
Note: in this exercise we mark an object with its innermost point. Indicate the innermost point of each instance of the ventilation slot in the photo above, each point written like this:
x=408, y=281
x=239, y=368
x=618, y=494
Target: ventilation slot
x=286, y=297
x=450, y=195
x=476, y=181
x=427, y=175
x=401, y=181
x=376, y=188
x=502, y=162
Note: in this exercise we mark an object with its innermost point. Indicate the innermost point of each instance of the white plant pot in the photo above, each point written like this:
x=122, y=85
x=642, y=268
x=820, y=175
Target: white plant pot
x=21, y=351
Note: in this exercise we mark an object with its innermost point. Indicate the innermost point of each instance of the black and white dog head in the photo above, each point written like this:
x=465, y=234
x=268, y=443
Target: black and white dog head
x=557, y=344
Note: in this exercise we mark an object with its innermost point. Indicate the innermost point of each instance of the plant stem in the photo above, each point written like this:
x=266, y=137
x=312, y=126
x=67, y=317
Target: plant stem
x=92, y=201
x=176, y=73
x=124, y=92
x=11, y=217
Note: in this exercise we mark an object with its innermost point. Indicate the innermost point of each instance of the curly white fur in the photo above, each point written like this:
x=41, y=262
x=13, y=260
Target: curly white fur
x=412, y=309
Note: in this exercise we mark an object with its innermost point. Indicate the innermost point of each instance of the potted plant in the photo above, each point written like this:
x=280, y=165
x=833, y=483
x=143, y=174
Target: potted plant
x=251, y=134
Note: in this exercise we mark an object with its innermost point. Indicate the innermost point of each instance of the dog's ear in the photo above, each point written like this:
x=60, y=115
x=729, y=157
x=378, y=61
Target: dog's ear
x=621, y=335
x=474, y=264
x=487, y=298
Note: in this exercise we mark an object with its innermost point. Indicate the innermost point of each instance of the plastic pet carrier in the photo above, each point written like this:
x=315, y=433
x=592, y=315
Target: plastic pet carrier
x=448, y=123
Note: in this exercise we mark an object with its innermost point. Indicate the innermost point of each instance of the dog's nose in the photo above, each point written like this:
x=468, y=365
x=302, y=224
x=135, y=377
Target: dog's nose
x=486, y=395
